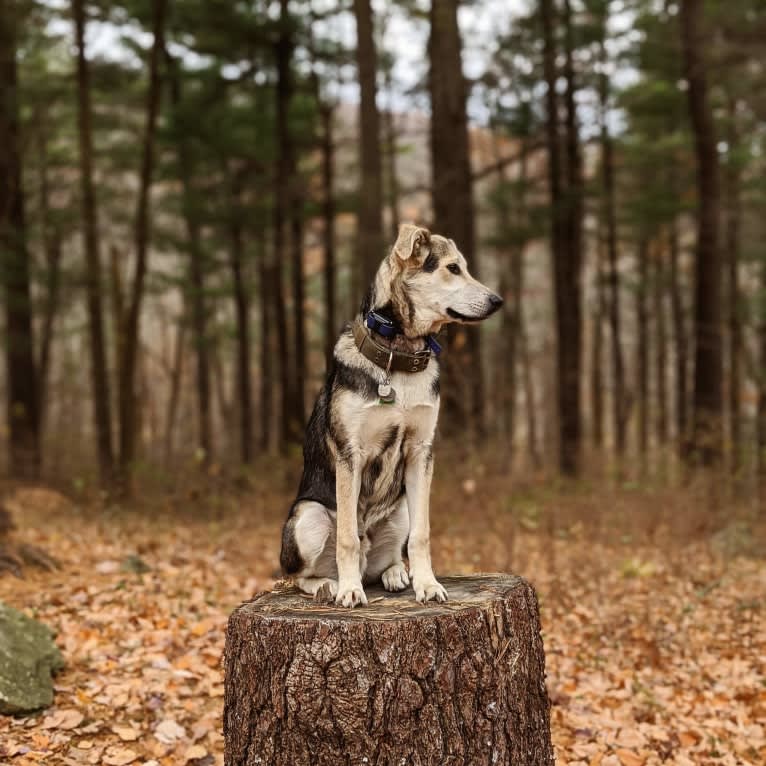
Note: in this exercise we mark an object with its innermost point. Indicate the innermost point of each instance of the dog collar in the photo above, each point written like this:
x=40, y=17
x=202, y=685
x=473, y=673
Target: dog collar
x=389, y=329
x=388, y=359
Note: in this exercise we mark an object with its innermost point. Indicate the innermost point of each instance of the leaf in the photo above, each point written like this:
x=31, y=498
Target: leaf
x=63, y=719
x=629, y=758
x=126, y=733
x=119, y=756
x=168, y=732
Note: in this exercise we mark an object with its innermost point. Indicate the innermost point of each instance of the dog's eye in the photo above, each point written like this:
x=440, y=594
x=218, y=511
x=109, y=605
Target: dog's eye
x=453, y=268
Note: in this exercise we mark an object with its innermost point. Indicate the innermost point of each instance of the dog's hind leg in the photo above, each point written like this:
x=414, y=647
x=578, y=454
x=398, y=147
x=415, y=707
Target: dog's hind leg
x=384, y=559
x=308, y=549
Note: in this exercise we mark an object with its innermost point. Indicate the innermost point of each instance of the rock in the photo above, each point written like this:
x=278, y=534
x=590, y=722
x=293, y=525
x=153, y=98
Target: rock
x=28, y=659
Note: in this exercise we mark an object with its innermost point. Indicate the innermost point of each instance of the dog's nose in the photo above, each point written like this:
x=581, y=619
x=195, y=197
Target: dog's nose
x=496, y=301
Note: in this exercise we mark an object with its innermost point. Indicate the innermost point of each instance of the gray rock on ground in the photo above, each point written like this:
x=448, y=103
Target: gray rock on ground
x=28, y=660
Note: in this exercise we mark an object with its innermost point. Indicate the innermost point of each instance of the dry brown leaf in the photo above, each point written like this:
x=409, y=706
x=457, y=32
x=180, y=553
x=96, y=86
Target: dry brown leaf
x=195, y=753
x=168, y=732
x=63, y=719
x=119, y=756
x=629, y=758
x=126, y=733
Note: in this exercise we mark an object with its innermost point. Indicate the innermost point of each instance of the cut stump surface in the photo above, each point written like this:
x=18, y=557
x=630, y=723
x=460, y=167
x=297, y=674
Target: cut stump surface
x=394, y=683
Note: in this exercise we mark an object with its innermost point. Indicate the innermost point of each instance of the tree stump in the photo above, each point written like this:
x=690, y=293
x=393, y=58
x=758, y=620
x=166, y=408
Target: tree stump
x=395, y=683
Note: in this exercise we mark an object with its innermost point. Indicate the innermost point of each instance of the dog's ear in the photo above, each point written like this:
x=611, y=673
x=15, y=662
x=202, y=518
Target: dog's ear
x=411, y=238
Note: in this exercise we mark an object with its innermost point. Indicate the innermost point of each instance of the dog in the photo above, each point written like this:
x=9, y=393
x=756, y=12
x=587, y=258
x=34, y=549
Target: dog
x=368, y=461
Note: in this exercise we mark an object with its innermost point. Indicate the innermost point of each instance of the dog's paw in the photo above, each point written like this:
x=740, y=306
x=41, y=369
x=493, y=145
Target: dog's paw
x=430, y=590
x=395, y=577
x=351, y=596
x=326, y=592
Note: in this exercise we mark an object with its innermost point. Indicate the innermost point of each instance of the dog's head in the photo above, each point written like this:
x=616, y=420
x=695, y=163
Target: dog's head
x=430, y=285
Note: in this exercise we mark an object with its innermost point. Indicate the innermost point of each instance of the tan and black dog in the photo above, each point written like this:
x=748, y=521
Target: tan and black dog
x=368, y=458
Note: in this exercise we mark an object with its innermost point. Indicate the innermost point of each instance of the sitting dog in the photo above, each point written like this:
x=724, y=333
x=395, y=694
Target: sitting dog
x=368, y=458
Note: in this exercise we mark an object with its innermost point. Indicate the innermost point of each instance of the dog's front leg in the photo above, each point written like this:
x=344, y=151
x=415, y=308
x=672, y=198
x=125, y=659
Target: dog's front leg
x=347, y=483
x=417, y=480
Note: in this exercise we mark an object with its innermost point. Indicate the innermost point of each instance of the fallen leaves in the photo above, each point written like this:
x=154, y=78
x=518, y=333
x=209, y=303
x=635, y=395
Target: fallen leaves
x=654, y=656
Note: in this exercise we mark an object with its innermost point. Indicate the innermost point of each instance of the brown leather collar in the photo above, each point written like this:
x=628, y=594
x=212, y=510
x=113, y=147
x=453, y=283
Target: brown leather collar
x=387, y=358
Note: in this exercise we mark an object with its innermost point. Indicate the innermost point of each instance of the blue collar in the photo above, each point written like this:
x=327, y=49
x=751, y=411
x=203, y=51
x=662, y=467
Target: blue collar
x=388, y=329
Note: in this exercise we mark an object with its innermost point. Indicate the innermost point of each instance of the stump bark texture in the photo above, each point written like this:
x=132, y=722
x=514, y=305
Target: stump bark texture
x=392, y=684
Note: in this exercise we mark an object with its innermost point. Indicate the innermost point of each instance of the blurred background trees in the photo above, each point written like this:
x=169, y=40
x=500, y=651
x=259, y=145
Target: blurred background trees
x=195, y=194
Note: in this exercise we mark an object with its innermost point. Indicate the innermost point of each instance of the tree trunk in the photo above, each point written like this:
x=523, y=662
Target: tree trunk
x=679, y=337
x=733, y=217
x=454, y=216
x=98, y=362
x=51, y=234
x=328, y=233
x=389, y=128
x=565, y=250
x=283, y=93
x=661, y=344
x=620, y=410
x=22, y=413
x=761, y=424
x=642, y=325
x=265, y=282
x=369, y=235
x=176, y=377
x=596, y=370
x=242, y=314
x=129, y=334
x=396, y=682
x=707, y=426
x=195, y=290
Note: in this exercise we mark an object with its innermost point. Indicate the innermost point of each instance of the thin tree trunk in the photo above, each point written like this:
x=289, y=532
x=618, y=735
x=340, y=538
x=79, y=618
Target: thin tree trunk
x=761, y=424
x=661, y=344
x=389, y=127
x=596, y=371
x=275, y=291
x=369, y=235
x=642, y=325
x=453, y=206
x=529, y=395
x=52, y=247
x=708, y=369
x=22, y=398
x=620, y=413
x=131, y=324
x=265, y=282
x=733, y=204
x=242, y=313
x=298, y=405
x=680, y=337
x=328, y=217
x=98, y=360
x=195, y=291
x=176, y=377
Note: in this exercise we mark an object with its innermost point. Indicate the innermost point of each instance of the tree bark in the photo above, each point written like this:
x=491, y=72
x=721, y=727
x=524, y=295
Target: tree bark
x=642, y=325
x=98, y=361
x=22, y=397
x=619, y=405
x=328, y=233
x=454, y=215
x=680, y=337
x=195, y=290
x=596, y=370
x=176, y=377
x=129, y=335
x=661, y=344
x=242, y=314
x=283, y=93
x=369, y=235
x=707, y=425
x=389, y=126
x=564, y=250
x=266, y=303
x=733, y=225
x=397, y=682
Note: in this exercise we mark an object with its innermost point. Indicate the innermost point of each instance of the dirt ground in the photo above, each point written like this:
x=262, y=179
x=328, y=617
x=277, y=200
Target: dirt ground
x=653, y=627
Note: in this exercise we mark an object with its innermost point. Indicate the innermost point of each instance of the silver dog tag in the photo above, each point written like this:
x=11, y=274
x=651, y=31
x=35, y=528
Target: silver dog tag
x=386, y=394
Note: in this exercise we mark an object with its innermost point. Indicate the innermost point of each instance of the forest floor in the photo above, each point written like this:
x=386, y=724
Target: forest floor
x=652, y=610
